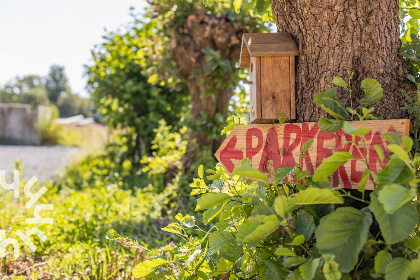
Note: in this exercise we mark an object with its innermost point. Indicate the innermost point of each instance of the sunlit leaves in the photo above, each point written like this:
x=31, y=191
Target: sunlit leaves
x=147, y=267
x=257, y=228
x=394, y=196
x=318, y=196
x=329, y=103
x=373, y=91
x=331, y=164
x=209, y=200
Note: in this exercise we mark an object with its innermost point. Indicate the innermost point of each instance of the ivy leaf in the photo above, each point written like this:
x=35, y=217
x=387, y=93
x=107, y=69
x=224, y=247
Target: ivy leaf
x=330, y=165
x=396, y=172
x=394, y=196
x=373, y=91
x=397, y=226
x=307, y=270
x=330, y=104
x=218, y=239
x=273, y=270
x=147, y=267
x=249, y=172
x=280, y=205
x=307, y=145
x=209, y=200
x=318, y=196
x=397, y=269
x=255, y=229
x=343, y=234
x=283, y=172
x=339, y=82
x=381, y=261
x=284, y=252
x=330, y=125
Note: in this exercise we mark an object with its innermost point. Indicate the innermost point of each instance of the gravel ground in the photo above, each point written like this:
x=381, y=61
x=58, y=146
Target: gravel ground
x=41, y=162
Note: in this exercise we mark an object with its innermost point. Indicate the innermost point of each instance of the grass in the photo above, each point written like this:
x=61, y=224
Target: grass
x=77, y=246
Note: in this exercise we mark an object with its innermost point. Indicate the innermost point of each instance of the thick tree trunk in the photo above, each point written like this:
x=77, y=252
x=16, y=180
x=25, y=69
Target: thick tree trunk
x=339, y=35
x=200, y=32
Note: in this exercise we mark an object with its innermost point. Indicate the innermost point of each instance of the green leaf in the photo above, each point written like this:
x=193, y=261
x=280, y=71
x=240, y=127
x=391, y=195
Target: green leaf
x=255, y=229
x=343, y=234
x=145, y=268
x=318, y=196
x=303, y=224
x=396, y=172
x=249, y=172
x=283, y=172
x=307, y=145
x=414, y=13
x=392, y=137
x=348, y=127
x=397, y=226
x=307, y=270
x=210, y=214
x=397, y=269
x=362, y=184
x=413, y=243
x=339, y=82
x=237, y=5
x=298, y=240
x=218, y=239
x=373, y=91
x=331, y=271
x=330, y=165
x=361, y=131
x=228, y=128
x=328, y=101
x=394, y=196
x=280, y=205
x=407, y=142
x=415, y=269
x=293, y=261
x=200, y=171
x=273, y=270
x=284, y=252
x=209, y=200
x=329, y=125
x=397, y=150
x=231, y=251
x=381, y=261
x=380, y=152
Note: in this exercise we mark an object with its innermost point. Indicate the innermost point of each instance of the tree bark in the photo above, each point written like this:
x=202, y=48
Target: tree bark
x=334, y=36
x=200, y=32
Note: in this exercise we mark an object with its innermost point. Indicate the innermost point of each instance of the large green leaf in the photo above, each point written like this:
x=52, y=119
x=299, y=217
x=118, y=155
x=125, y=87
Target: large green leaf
x=330, y=104
x=415, y=269
x=318, y=196
x=307, y=270
x=256, y=228
x=303, y=224
x=145, y=268
x=283, y=172
x=396, y=172
x=218, y=239
x=373, y=91
x=273, y=270
x=231, y=251
x=396, y=149
x=394, y=196
x=397, y=269
x=330, y=165
x=280, y=205
x=249, y=172
x=397, y=226
x=330, y=125
x=381, y=261
x=413, y=243
x=343, y=234
x=209, y=200
x=284, y=252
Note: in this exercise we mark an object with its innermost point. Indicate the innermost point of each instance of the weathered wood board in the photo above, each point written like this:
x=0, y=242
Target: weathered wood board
x=276, y=145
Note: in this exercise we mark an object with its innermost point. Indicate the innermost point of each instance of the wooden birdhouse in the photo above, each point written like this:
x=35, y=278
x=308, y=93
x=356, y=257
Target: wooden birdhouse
x=271, y=61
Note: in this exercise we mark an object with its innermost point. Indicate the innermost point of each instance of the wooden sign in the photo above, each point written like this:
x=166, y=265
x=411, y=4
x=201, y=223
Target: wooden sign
x=277, y=145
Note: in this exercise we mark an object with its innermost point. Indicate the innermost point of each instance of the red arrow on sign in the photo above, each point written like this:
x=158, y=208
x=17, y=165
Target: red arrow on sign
x=228, y=153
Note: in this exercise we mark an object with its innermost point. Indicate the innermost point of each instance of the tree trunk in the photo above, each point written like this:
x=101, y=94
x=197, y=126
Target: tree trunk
x=202, y=31
x=334, y=36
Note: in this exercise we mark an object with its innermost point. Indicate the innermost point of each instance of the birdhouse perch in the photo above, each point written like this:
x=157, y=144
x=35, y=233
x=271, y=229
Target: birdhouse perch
x=271, y=61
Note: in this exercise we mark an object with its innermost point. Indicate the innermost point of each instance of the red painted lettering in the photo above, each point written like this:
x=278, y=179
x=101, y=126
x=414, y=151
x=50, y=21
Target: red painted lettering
x=306, y=134
x=250, y=151
x=288, y=159
x=228, y=153
x=271, y=151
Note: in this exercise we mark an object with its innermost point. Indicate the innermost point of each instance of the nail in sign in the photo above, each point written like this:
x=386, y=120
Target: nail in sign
x=277, y=145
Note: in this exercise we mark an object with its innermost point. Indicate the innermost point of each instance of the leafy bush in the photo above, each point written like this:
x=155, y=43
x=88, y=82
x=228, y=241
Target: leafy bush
x=299, y=227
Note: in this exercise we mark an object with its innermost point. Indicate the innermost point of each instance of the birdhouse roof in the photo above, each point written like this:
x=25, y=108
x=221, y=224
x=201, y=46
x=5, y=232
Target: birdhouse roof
x=266, y=44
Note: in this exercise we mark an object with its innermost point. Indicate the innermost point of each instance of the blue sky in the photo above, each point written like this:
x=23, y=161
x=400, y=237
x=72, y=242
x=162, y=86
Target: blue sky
x=35, y=34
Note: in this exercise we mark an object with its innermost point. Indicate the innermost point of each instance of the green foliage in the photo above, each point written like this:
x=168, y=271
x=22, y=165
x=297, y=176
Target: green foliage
x=70, y=104
x=56, y=83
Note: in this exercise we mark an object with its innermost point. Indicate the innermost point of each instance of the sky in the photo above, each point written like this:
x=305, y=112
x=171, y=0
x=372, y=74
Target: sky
x=35, y=34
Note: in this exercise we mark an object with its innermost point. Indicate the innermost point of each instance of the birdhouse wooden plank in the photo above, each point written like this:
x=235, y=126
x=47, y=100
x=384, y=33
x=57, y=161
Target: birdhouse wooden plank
x=271, y=61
